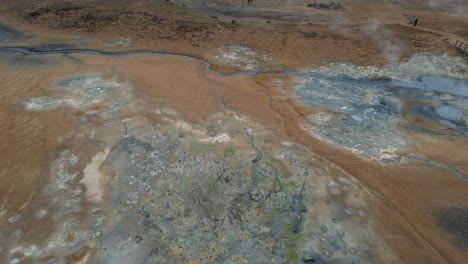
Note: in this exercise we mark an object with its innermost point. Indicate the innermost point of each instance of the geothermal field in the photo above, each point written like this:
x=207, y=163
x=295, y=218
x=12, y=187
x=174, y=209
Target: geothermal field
x=229, y=131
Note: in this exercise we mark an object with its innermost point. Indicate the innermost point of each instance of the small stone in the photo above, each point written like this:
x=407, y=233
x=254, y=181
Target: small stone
x=369, y=110
x=448, y=123
x=324, y=229
x=349, y=211
x=74, y=160
x=98, y=221
x=96, y=235
x=227, y=124
x=333, y=189
x=344, y=181
x=356, y=118
x=69, y=222
x=449, y=112
x=340, y=232
x=107, y=124
x=327, y=252
x=275, y=250
x=94, y=210
x=352, y=250
x=308, y=257
x=41, y=213
x=137, y=239
x=361, y=212
x=14, y=219
x=15, y=261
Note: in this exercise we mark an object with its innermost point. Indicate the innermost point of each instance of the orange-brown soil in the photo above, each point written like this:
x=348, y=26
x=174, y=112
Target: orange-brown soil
x=165, y=26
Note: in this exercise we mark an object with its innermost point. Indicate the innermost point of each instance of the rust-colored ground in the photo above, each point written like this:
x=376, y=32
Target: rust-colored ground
x=404, y=196
x=166, y=26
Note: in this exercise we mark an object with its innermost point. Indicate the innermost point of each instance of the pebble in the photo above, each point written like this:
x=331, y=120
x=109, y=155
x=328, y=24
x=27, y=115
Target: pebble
x=448, y=123
x=349, y=211
x=449, y=112
x=137, y=239
x=98, y=221
x=352, y=250
x=356, y=118
x=361, y=212
x=74, y=160
x=324, y=229
x=308, y=256
x=41, y=213
x=15, y=261
x=92, y=135
x=344, y=181
x=14, y=219
x=333, y=189
x=327, y=252
x=96, y=235
x=340, y=232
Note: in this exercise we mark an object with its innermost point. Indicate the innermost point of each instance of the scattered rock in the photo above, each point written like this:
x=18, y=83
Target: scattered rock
x=137, y=239
x=14, y=219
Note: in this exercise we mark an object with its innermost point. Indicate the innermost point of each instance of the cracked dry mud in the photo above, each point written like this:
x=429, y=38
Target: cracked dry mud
x=157, y=158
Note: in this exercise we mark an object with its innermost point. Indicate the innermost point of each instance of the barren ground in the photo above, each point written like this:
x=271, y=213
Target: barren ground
x=254, y=155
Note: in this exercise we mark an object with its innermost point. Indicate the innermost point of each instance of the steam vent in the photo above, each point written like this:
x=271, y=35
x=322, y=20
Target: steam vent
x=233, y=132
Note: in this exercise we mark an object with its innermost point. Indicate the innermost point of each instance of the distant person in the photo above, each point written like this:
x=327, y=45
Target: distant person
x=249, y=1
x=415, y=22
